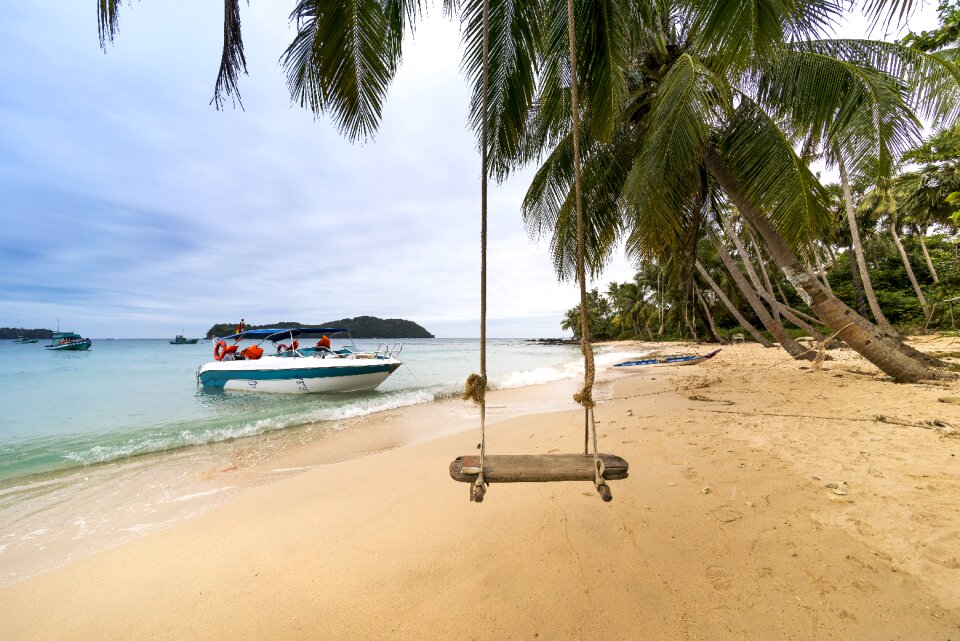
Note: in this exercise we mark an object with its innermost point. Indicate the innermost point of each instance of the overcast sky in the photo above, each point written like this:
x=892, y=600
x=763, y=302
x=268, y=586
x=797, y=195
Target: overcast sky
x=129, y=207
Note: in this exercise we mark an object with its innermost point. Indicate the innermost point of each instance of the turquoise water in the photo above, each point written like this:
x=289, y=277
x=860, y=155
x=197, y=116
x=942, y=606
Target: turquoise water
x=129, y=397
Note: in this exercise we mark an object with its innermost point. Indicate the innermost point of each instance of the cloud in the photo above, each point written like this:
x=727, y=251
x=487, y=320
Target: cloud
x=132, y=208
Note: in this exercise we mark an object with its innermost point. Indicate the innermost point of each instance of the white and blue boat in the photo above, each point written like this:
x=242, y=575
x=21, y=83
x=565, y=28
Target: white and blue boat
x=291, y=368
x=690, y=359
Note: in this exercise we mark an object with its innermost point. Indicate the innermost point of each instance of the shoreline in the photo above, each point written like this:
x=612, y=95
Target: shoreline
x=726, y=528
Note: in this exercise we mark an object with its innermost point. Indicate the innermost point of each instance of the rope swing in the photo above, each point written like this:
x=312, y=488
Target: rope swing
x=482, y=470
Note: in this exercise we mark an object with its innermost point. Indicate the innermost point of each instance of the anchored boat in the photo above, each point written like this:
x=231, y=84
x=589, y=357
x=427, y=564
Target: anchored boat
x=691, y=359
x=180, y=340
x=68, y=341
x=294, y=369
x=25, y=341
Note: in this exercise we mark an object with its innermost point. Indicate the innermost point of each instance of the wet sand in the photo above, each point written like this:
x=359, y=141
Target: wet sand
x=765, y=501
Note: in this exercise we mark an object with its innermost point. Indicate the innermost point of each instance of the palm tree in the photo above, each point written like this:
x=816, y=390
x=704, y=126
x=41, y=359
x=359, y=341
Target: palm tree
x=713, y=108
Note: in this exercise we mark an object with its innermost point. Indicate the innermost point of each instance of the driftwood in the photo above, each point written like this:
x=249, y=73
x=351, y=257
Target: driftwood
x=536, y=468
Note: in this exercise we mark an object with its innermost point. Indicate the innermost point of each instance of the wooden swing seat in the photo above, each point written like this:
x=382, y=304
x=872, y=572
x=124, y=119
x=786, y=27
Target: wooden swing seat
x=536, y=468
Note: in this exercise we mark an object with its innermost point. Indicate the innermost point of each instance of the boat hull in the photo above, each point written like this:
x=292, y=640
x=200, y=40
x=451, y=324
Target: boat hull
x=71, y=347
x=306, y=375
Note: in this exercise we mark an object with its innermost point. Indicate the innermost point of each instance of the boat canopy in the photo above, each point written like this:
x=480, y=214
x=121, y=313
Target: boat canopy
x=65, y=335
x=279, y=334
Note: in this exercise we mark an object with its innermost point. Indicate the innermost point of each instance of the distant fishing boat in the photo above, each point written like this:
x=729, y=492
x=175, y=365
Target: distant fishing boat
x=180, y=340
x=293, y=369
x=690, y=359
x=23, y=341
x=68, y=341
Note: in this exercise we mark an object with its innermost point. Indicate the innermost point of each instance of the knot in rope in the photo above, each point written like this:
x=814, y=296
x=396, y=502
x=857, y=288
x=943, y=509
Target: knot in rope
x=475, y=389
x=585, y=395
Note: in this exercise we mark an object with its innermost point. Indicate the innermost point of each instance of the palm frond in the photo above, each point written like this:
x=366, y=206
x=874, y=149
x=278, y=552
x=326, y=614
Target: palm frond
x=232, y=60
x=762, y=159
x=860, y=108
x=549, y=207
x=341, y=62
x=515, y=34
x=931, y=81
x=738, y=33
x=658, y=189
x=107, y=20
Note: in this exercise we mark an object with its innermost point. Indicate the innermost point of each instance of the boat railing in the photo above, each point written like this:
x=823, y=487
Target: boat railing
x=384, y=350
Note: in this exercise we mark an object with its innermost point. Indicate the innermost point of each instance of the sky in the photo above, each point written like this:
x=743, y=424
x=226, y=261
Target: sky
x=130, y=207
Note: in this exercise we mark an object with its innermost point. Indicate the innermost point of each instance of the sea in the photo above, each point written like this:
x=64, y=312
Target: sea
x=99, y=446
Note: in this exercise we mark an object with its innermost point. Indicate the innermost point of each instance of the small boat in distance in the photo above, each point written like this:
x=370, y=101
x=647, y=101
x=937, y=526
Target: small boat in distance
x=25, y=341
x=68, y=341
x=180, y=340
x=689, y=359
x=293, y=369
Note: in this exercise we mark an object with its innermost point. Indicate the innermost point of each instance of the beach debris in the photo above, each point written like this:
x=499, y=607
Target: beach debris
x=748, y=503
x=629, y=412
x=942, y=427
x=839, y=488
x=706, y=489
x=955, y=400
x=227, y=468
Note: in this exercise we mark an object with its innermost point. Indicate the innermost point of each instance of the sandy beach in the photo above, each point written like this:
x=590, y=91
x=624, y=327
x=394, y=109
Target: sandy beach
x=765, y=501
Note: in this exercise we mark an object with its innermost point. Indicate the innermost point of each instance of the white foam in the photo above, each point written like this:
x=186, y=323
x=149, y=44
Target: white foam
x=197, y=495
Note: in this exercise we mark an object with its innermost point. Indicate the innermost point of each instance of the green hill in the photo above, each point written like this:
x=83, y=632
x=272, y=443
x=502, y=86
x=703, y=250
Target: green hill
x=15, y=332
x=360, y=327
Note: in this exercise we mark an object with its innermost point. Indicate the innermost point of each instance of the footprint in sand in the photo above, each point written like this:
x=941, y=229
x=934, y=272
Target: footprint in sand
x=719, y=578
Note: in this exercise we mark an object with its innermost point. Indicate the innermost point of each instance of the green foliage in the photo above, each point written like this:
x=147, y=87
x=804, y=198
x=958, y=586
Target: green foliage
x=16, y=332
x=946, y=35
x=360, y=327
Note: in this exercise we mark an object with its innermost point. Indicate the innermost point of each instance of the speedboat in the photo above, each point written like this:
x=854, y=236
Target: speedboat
x=68, y=341
x=295, y=369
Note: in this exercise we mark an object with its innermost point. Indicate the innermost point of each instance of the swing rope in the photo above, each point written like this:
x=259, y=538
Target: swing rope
x=476, y=385
x=585, y=396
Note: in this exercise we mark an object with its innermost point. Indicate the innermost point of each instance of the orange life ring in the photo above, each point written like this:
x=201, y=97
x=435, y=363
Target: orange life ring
x=221, y=350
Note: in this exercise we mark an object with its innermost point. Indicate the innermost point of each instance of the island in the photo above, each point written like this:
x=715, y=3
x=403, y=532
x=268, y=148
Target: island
x=360, y=327
x=17, y=332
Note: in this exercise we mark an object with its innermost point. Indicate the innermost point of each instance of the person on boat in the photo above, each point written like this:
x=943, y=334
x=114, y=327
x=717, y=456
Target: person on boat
x=323, y=345
x=240, y=327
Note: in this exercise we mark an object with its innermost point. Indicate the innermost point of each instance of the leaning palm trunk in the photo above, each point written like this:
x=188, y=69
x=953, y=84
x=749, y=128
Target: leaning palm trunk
x=711, y=325
x=858, y=248
x=773, y=326
x=821, y=269
x=921, y=234
x=744, y=323
x=860, y=334
x=908, y=267
x=857, y=282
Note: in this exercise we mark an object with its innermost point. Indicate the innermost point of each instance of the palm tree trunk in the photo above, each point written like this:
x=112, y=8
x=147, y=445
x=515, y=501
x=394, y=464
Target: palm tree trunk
x=857, y=283
x=773, y=326
x=908, y=267
x=859, y=333
x=921, y=236
x=771, y=297
x=821, y=269
x=711, y=326
x=858, y=248
x=744, y=323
